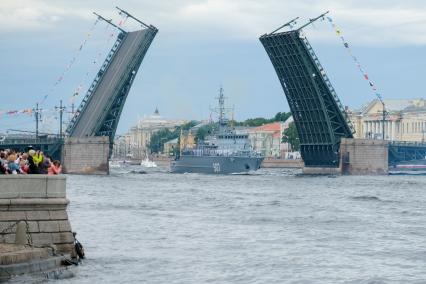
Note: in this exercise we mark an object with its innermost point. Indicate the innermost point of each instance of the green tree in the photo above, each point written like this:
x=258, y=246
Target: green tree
x=187, y=125
x=258, y=121
x=282, y=116
x=156, y=143
x=291, y=136
x=204, y=131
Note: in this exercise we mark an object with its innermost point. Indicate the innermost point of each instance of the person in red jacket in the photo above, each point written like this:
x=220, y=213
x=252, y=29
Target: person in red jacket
x=55, y=168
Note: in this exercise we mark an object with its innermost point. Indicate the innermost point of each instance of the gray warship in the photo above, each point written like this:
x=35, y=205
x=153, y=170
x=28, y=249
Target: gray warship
x=223, y=152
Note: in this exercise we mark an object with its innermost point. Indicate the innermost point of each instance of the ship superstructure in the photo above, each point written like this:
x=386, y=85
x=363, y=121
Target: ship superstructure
x=223, y=152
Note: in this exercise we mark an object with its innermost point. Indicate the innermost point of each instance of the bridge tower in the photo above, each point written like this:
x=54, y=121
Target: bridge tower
x=319, y=116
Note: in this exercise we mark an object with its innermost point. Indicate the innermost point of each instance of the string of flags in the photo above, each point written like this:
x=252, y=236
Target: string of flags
x=26, y=111
x=80, y=86
x=354, y=58
x=31, y=111
x=72, y=61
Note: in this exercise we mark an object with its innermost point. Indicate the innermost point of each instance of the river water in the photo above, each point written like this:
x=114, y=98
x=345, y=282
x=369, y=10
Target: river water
x=274, y=226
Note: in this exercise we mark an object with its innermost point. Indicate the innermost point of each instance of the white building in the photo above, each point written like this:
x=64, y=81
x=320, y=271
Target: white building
x=266, y=139
x=139, y=136
x=405, y=120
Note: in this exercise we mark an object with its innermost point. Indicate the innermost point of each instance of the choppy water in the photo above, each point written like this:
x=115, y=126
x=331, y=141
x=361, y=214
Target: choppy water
x=271, y=227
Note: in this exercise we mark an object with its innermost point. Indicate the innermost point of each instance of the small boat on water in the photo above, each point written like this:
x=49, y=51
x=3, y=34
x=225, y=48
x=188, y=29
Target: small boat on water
x=409, y=168
x=120, y=163
x=148, y=164
x=114, y=164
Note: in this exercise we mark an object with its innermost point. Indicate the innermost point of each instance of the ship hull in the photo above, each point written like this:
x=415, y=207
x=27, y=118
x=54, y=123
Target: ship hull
x=215, y=164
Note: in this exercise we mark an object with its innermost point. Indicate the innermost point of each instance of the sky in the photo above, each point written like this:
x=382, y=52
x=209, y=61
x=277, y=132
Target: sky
x=201, y=46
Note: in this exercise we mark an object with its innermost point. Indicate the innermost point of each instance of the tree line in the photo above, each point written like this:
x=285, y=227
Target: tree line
x=156, y=144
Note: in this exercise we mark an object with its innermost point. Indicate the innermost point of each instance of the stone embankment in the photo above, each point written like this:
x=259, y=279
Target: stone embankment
x=35, y=205
x=282, y=163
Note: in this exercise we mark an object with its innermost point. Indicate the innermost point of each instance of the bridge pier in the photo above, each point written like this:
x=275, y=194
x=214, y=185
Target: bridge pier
x=358, y=157
x=364, y=156
x=86, y=155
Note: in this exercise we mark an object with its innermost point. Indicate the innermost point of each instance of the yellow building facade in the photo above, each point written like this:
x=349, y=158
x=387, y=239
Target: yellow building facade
x=187, y=140
x=405, y=120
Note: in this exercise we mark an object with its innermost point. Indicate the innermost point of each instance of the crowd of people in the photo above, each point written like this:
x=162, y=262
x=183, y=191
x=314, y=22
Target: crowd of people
x=30, y=162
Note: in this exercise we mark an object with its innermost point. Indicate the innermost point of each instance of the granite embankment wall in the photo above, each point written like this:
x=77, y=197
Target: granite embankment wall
x=282, y=163
x=88, y=155
x=40, y=201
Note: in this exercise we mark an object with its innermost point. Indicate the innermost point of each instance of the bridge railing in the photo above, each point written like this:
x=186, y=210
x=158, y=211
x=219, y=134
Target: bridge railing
x=407, y=144
x=30, y=141
x=96, y=81
x=327, y=81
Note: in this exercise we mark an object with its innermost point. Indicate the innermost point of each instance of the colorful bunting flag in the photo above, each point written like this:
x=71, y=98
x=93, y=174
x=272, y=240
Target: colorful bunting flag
x=355, y=59
x=72, y=61
x=77, y=91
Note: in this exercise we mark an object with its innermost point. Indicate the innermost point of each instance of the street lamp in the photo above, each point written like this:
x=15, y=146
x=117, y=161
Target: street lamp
x=384, y=113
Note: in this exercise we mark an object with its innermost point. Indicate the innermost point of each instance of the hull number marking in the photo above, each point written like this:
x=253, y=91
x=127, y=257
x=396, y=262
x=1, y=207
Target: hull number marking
x=216, y=167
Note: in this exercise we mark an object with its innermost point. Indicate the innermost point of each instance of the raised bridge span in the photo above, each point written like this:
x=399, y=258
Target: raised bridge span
x=100, y=109
x=319, y=116
x=99, y=112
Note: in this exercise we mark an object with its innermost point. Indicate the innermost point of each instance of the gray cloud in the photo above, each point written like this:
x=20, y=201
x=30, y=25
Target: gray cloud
x=380, y=22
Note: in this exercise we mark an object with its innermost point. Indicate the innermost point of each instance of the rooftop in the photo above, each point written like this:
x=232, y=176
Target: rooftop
x=270, y=127
x=395, y=105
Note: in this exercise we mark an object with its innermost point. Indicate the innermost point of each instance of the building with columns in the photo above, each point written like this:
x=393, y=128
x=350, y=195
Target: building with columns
x=405, y=120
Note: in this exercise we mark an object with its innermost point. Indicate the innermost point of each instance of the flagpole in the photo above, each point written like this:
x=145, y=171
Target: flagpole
x=36, y=118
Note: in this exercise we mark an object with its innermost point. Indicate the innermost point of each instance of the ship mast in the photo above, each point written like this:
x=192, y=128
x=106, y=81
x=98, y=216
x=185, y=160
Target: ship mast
x=223, y=120
x=222, y=115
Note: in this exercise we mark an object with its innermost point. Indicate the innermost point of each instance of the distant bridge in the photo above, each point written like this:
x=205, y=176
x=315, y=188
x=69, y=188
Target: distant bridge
x=48, y=144
x=400, y=151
